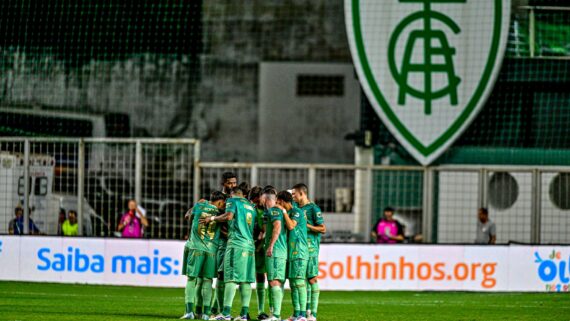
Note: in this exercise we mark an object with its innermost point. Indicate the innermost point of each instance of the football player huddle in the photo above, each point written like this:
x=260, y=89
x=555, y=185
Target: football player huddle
x=241, y=236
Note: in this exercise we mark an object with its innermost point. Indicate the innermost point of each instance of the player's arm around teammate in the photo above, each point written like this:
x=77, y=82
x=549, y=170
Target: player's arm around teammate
x=321, y=229
x=200, y=253
x=239, y=266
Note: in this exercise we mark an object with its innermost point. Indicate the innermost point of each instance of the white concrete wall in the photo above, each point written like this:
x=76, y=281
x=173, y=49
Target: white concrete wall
x=305, y=128
x=457, y=207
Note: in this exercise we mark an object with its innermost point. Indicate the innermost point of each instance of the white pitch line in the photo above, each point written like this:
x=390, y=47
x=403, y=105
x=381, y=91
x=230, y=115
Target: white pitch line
x=90, y=295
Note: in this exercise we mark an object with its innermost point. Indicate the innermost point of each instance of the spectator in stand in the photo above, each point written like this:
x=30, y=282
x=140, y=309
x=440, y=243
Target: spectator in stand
x=132, y=222
x=16, y=225
x=486, y=229
x=70, y=226
x=388, y=230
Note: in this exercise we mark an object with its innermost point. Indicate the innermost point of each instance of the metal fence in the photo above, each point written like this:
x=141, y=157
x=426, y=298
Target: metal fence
x=97, y=177
x=528, y=204
x=330, y=186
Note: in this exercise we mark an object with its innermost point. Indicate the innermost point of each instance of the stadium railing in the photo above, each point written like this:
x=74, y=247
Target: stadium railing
x=97, y=177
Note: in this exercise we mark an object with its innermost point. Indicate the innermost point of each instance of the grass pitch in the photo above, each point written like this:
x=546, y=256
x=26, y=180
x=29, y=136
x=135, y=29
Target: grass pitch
x=41, y=301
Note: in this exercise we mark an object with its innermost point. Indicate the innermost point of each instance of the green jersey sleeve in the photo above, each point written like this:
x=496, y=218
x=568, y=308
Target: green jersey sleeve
x=197, y=209
x=231, y=206
x=295, y=214
x=275, y=214
x=317, y=215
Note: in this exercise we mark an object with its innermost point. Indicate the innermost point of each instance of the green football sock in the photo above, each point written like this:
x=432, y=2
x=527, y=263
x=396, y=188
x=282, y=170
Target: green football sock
x=189, y=307
x=314, y=298
x=214, y=303
x=308, y=296
x=229, y=293
x=277, y=294
x=189, y=294
x=270, y=298
x=302, y=290
x=199, y=301
x=245, y=295
x=295, y=297
x=206, y=295
x=260, y=290
x=220, y=286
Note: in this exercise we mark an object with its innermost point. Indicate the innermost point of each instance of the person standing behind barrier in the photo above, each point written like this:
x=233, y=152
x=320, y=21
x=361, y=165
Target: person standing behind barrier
x=16, y=225
x=388, y=230
x=132, y=222
x=70, y=226
x=486, y=229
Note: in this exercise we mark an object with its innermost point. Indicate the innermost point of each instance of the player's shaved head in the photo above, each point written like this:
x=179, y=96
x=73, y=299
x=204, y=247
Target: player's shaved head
x=237, y=191
x=270, y=190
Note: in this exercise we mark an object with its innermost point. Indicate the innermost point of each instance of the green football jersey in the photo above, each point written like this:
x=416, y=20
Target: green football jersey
x=204, y=237
x=259, y=212
x=240, y=232
x=297, y=241
x=314, y=217
x=280, y=246
x=259, y=222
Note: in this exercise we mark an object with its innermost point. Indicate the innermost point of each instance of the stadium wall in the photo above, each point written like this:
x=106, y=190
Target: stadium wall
x=342, y=267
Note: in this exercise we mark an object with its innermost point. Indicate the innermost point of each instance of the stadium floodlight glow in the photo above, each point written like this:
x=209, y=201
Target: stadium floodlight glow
x=427, y=66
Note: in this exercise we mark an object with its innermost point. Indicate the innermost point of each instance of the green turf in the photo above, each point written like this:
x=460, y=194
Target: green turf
x=41, y=301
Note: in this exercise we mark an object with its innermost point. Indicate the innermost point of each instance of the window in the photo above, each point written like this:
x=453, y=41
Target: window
x=560, y=191
x=503, y=190
x=41, y=186
x=320, y=85
x=21, y=185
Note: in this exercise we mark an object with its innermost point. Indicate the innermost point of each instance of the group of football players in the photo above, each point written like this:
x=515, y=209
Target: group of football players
x=240, y=236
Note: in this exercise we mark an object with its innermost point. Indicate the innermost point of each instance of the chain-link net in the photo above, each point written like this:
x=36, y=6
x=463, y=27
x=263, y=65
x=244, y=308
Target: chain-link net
x=192, y=69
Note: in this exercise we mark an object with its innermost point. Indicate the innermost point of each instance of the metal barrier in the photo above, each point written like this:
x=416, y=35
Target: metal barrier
x=330, y=186
x=97, y=177
x=528, y=204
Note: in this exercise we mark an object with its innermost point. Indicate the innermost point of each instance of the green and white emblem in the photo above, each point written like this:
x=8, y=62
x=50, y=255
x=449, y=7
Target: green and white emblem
x=427, y=66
